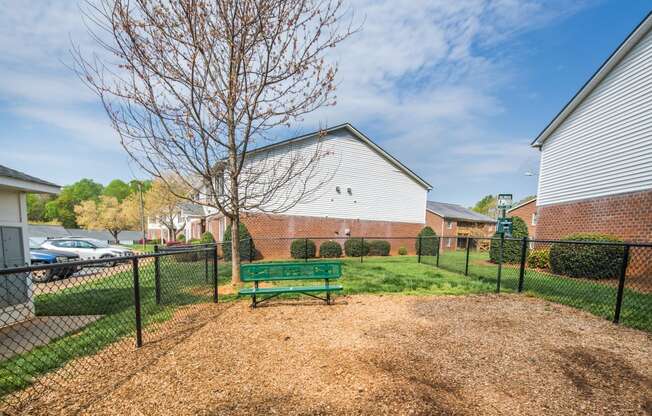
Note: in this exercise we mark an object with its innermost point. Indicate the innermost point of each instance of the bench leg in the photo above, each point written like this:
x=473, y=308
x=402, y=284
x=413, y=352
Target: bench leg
x=253, y=300
x=328, y=294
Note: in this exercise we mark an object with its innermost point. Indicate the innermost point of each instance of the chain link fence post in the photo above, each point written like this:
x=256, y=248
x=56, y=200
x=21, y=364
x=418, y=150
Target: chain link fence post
x=361, y=249
x=438, y=248
x=521, y=272
x=466, y=264
x=500, y=261
x=157, y=276
x=621, y=284
x=420, y=243
x=215, y=275
x=139, y=324
x=305, y=248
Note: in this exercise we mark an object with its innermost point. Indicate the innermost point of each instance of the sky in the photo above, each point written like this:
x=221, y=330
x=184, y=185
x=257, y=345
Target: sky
x=456, y=90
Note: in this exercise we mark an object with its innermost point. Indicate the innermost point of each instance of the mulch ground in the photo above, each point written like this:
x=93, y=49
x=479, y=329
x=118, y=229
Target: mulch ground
x=471, y=355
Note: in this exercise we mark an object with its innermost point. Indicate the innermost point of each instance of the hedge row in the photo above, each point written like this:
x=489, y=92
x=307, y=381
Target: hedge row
x=590, y=261
x=354, y=247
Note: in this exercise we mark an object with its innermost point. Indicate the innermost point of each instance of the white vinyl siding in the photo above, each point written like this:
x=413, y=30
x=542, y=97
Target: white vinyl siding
x=604, y=147
x=380, y=190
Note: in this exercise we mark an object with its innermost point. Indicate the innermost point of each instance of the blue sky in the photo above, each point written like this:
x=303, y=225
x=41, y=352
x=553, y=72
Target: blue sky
x=455, y=90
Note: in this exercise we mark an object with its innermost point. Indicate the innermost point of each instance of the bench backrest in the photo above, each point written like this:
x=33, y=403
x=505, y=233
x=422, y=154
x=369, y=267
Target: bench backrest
x=290, y=271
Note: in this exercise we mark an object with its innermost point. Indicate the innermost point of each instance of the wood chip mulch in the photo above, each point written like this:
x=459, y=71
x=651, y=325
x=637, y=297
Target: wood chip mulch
x=370, y=355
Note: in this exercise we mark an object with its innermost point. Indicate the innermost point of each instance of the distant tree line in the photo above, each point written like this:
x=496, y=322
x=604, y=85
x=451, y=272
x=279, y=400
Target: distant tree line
x=60, y=209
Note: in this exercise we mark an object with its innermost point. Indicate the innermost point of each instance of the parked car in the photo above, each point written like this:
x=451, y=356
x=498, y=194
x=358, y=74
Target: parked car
x=39, y=255
x=88, y=248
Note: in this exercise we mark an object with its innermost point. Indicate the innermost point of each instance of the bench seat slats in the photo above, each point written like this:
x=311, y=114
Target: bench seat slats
x=294, y=289
x=258, y=272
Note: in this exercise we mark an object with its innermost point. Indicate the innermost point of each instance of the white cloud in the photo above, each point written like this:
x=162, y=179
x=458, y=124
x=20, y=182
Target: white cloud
x=424, y=75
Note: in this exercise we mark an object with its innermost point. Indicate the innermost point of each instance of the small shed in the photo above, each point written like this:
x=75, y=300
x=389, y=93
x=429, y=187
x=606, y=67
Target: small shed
x=15, y=290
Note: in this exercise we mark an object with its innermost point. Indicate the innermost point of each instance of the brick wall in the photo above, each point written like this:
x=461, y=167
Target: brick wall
x=449, y=242
x=273, y=234
x=525, y=213
x=440, y=227
x=627, y=216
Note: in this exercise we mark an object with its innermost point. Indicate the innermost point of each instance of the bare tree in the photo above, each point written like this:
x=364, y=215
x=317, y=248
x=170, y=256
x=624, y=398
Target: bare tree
x=192, y=86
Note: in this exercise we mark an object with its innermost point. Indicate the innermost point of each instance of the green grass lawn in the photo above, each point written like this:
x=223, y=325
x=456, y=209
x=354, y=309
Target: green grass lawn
x=147, y=248
x=401, y=274
x=590, y=295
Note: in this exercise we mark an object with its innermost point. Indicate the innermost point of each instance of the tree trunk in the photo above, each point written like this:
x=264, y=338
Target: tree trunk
x=115, y=236
x=235, y=250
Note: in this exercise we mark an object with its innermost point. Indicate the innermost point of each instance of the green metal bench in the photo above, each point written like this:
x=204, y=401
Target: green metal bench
x=271, y=272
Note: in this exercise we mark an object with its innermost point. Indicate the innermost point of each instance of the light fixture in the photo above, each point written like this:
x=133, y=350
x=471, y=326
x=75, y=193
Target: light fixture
x=348, y=190
x=337, y=189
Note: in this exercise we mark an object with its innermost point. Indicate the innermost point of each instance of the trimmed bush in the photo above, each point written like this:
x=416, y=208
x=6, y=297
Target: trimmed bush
x=330, y=249
x=247, y=246
x=402, y=251
x=207, y=238
x=428, y=241
x=587, y=261
x=181, y=237
x=354, y=247
x=511, y=248
x=539, y=259
x=302, y=248
x=379, y=248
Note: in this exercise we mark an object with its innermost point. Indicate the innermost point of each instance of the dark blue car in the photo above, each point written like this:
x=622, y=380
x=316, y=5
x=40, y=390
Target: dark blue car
x=44, y=256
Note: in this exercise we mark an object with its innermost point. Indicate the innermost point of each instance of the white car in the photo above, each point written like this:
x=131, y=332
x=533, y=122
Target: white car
x=87, y=248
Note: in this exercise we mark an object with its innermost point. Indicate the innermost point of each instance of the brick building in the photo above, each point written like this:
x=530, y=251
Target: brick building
x=454, y=223
x=527, y=211
x=364, y=191
x=596, y=154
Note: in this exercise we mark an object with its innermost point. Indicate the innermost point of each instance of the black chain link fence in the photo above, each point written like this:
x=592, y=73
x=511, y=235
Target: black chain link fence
x=611, y=280
x=58, y=316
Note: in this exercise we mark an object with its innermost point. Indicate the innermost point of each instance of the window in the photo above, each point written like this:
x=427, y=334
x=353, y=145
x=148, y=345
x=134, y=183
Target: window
x=83, y=244
x=449, y=241
x=450, y=225
x=534, y=218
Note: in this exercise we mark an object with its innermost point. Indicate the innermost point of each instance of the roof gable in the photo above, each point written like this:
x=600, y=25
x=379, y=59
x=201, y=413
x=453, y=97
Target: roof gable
x=19, y=180
x=522, y=204
x=612, y=61
x=358, y=135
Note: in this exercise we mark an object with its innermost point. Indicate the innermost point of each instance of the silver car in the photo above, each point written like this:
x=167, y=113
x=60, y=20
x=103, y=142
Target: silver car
x=87, y=248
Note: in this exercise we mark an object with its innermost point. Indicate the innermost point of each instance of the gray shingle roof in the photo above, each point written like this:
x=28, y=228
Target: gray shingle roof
x=456, y=212
x=193, y=209
x=12, y=173
x=43, y=231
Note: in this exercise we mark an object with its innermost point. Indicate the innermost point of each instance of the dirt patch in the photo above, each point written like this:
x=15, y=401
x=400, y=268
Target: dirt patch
x=495, y=355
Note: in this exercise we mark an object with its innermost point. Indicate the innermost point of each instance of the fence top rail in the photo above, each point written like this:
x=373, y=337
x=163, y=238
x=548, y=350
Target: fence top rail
x=530, y=240
x=30, y=268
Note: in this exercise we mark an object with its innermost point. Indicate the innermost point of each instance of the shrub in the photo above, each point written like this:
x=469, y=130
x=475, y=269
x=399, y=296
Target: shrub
x=584, y=260
x=539, y=259
x=207, y=238
x=428, y=242
x=512, y=247
x=356, y=247
x=402, y=251
x=171, y=243
x=247, y=247
x=379, y=248
x=330, y=249
x=303, y=248
x=181, y=237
